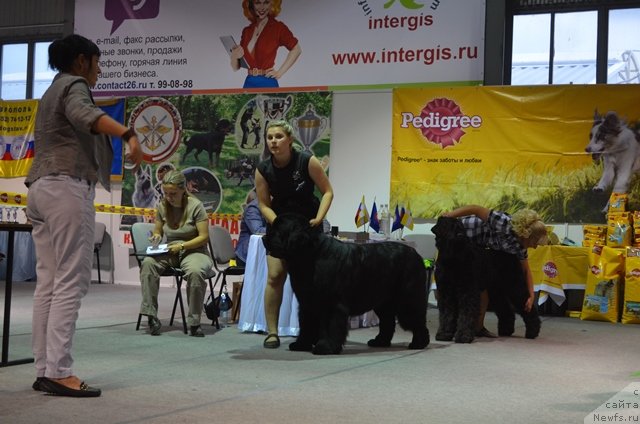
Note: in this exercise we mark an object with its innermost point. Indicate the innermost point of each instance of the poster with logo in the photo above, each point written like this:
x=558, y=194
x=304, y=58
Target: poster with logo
x=156, y=47
x=556, y=149
x=17, y=127
x=217, y=142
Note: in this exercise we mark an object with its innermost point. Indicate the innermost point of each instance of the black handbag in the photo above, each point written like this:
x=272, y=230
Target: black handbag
x=212, y=307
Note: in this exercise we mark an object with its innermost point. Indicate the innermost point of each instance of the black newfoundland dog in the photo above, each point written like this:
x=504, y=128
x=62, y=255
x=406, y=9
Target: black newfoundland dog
x=463, y=271
x=334, y=280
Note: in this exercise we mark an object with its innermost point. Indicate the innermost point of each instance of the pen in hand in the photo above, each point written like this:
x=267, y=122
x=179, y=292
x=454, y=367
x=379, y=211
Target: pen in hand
x=154, y=239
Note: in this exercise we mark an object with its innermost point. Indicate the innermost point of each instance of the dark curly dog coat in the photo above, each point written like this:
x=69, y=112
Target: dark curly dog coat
x=334, y=280
x=463, y=271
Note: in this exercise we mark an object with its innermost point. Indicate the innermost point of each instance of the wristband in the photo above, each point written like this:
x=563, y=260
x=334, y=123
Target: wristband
x=181, y=247
x=128, y=134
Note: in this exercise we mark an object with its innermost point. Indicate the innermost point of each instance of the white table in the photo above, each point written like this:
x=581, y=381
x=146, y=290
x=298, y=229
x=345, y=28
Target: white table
x=24, y=262
x=252, y=317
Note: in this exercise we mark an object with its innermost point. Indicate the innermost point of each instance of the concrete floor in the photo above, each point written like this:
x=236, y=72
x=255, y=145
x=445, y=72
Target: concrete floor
x=227, y=377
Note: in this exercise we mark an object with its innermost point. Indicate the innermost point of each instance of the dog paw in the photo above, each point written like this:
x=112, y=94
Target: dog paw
x=298, y=346
x=324, y=347
x=598, y=189
x=444, y=337
x=377, y=342
x=466, y=337
x=418, y=344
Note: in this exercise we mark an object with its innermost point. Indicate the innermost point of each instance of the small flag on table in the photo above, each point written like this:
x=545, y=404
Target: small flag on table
x=407, y=219
x=397, y=221
x=362, y=216
x=375, y=222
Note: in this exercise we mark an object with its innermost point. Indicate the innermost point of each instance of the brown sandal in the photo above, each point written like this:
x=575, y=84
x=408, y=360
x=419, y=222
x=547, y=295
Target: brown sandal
x=271, y=344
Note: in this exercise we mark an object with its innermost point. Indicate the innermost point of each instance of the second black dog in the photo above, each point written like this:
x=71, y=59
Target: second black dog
x=463, y=271
x=334, y=280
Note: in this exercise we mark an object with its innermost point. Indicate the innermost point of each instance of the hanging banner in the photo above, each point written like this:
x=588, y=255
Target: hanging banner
x=161, y=47
x=217, y=142
x=17, y=125
x=115, y=109
x=510, y=147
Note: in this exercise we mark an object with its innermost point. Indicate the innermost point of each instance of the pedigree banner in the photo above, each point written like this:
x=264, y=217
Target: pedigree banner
x=17, y=125
x=174, y=47
x=514, y=147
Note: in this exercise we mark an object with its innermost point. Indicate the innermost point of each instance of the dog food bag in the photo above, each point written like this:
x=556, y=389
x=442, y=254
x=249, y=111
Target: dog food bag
x=619, y=229
x=618, y=202
x=601, y=294
x=631, y=305
x=594, y=235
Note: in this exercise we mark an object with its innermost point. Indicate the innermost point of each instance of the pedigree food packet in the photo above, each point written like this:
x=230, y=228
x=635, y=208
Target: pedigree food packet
x=594, y=235
x=604, y=279
x=619, y=230
x=631, y=305
x=618, y=202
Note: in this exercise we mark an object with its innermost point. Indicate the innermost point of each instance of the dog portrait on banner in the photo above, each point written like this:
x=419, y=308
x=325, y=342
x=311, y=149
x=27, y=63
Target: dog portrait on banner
x=617, y=145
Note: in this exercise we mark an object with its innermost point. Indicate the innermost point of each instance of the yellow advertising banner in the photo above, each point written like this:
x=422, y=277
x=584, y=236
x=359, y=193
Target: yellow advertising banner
x=17, y=124
x=511, y=147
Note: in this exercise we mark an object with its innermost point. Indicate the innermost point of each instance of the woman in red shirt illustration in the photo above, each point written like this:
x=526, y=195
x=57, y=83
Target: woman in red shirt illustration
x=260, y=42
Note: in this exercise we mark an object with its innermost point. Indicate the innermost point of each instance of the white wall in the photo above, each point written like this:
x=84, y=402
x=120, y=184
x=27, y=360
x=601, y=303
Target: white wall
x=360, y=164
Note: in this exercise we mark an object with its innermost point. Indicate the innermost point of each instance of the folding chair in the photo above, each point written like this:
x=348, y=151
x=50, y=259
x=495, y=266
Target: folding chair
x=97, y=244
x=222, y=251
x=140, y=232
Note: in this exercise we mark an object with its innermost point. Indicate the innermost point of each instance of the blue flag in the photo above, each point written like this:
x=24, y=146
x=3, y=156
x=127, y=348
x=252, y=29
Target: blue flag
x=374, y=223
x=397, y=221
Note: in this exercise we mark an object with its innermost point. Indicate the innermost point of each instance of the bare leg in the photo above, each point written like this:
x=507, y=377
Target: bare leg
x=277, y=274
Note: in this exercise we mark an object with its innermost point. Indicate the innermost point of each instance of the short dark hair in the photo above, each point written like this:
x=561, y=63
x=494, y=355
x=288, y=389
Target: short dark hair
x=64, y=51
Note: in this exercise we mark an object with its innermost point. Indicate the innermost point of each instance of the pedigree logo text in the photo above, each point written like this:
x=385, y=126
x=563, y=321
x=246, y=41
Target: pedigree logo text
x=441, y=121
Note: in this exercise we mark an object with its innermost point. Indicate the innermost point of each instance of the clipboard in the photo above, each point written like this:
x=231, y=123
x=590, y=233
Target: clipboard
x=158, y=250
x=229, y=44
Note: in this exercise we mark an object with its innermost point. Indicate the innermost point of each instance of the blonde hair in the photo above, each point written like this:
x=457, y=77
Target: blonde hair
x=247, y=9
x=176, y=178
x=286, y=126
x=527, y=224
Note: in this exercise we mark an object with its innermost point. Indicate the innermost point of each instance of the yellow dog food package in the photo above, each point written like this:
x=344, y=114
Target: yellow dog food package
x=619, y=229
x=604, y=279
x=618, y=202
x=636, y=228
x=594, y=235
x=631, y=306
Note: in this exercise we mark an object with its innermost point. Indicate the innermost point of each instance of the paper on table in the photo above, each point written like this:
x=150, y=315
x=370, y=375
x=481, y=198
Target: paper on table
x=161, y=248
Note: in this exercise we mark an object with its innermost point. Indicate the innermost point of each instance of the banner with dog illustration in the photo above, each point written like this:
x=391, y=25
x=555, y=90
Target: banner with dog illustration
x=17, y=127
x=217, y=142
x=560, y=150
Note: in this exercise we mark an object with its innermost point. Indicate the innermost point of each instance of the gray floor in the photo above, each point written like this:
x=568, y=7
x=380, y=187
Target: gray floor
x=227, y=377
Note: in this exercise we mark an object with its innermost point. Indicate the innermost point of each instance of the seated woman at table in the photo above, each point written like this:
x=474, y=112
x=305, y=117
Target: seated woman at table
x=285, y=182
x=500, y=231
x=183, y=220
x=252, y=223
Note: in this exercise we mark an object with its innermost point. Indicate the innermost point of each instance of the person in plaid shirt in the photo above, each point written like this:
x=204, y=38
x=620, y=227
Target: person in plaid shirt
x=500, y=231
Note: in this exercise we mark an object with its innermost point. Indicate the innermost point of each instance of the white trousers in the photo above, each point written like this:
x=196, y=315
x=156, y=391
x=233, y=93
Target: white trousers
x=63, y=216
